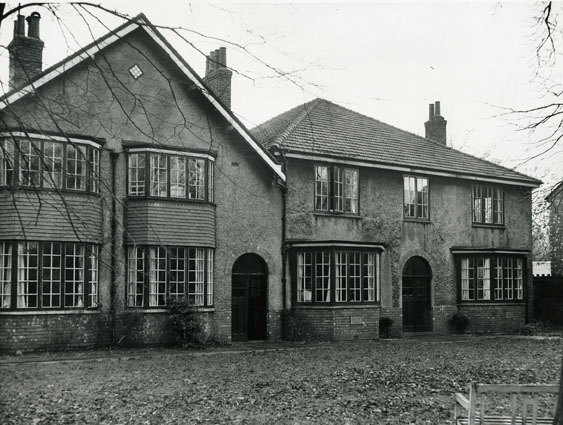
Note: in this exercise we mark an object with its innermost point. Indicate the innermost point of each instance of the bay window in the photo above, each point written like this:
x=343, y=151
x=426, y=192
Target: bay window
x=322, y=275
x=48, y=275
x=158, y=274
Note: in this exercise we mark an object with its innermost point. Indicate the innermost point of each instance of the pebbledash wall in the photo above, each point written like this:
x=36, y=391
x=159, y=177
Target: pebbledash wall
x=380, y=221
x=101, y=102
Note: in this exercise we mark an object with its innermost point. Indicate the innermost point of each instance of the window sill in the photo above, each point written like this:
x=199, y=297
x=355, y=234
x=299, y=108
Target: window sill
x=337, y=214
x=163, y=199
x=489, y=226
x=47, y=312
x=329, y=306
x=161, y=310
x=490, y=303
x=417, y=220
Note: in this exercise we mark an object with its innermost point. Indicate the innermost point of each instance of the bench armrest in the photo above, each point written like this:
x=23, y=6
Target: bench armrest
x=462, y=401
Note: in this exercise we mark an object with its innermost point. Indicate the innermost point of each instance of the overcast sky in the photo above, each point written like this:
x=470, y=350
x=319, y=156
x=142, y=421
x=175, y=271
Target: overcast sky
x=387, y=60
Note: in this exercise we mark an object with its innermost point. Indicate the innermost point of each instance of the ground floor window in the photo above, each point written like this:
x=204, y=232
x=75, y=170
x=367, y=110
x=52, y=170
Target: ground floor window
x=491, y=278
x=334, y=275
x=158, y=274
x=48, y=275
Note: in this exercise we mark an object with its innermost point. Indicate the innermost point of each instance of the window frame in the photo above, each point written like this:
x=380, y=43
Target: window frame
x=496, y=295
x=89, y=295
x=90, y=159
x=333, y=297
x=207, y=190
x=483, y=188
x=207, y=285
x=337, y=190
x=416, y=204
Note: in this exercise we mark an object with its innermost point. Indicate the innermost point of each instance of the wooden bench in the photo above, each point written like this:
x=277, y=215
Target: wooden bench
x=527, y=404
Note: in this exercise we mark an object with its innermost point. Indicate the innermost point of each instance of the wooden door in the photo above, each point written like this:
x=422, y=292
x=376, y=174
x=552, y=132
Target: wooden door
x=417, y=303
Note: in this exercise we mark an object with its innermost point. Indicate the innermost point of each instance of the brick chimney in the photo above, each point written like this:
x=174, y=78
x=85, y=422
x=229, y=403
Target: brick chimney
x=436, y=124
x=218, y=76
x=26, y=52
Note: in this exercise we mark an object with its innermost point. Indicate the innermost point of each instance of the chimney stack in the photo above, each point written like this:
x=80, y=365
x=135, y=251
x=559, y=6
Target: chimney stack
x=26, y=52
x=436, y=124
x=218, y=76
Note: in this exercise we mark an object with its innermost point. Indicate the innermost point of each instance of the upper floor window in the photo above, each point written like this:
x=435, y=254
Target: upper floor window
x=335, y=274
x=165, y=175
x=50, y=163
x=415, y=197
x=488, y=204
x=336, y=189
x=48, y=275
x=491, y=278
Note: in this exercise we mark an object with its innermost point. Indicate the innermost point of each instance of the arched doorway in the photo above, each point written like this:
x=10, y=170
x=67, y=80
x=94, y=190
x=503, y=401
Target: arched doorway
x=249, y=298
x=417, y=305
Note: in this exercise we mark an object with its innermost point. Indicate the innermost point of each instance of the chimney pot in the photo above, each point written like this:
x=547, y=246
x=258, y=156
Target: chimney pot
x=19, y=26
x=430, y=111
x=33, y=25
x=436, y=125
x=437, y=108
x=223, y=56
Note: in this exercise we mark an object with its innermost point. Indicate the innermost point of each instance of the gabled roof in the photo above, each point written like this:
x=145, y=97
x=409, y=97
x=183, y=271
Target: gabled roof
x=321, y=128
x=143, y=23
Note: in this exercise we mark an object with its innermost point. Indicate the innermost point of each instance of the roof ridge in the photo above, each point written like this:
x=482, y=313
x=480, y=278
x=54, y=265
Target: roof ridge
x=432, y=141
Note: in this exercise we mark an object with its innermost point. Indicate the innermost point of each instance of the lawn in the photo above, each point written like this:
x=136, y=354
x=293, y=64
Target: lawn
x=381, y=382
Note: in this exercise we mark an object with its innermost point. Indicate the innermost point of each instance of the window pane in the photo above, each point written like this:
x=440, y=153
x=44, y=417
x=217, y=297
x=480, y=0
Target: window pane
x=508, y=279
x=409, y=197
x=477, y=205
x=177, y=177
x=519, y=279
x=488, y=204
x=338, y=189
x=93, y=282
x=53, y=164
x=5, y=275
x=351, y=178
x=468, y=278
x=30, y=163
x=498, y=279
x=28, y=275
x=210, y=182
x=368, y=275
x=51, y=275
x=157, y=277
x=75, y=167
x=321, y=188
x=210, y=255
x=137, y=174
x=322, y=277
x=341, y=266
x=74, y=275
x=136, y=277
x=196, y=178
x=498, y=207
x=304, y=277
x=94, y=170
x=158, y=175
x=196, y=276
x=6, y=162
x=422, y=197
x=177, y=273
x=355, y=278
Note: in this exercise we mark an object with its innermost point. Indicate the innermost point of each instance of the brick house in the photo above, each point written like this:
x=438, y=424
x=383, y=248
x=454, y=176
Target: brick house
x=126, y=182
x=555, y=202
x=384, y=223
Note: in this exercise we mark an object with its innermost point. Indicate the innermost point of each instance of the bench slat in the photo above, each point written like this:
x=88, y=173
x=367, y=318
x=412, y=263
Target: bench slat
x=502, y=420
x=516, y=388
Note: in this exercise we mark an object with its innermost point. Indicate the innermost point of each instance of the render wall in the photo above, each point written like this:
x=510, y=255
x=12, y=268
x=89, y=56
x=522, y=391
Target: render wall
x=99, y=98
x=381, y=221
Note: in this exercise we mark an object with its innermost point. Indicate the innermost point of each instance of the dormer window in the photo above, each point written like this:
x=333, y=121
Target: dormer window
x=169, y=174
x=336, y=189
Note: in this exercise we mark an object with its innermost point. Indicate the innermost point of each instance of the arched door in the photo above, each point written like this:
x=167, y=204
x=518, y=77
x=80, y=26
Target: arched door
x=249, y=298
x=417, y=304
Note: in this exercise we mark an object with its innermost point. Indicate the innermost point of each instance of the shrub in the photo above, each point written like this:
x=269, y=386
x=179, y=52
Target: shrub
x=385, y=324
x=187, y=323
x=459, y=323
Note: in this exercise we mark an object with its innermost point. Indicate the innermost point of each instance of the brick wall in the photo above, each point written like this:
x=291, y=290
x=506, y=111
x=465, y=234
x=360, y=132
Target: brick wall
x=500, y=318
x=332, y=323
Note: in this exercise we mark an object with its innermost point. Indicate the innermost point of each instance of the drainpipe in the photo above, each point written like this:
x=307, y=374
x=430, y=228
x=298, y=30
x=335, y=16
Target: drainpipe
x=283, y=189
x=113, y=156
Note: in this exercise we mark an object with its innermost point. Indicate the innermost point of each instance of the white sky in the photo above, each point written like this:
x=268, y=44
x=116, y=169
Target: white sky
x=387, y=60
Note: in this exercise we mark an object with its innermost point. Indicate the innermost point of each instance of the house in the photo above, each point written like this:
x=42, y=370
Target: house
x=127, y=182
x=555, y=202
x=384, y=223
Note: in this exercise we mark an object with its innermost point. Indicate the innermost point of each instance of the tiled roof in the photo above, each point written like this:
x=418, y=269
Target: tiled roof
x=323, y=128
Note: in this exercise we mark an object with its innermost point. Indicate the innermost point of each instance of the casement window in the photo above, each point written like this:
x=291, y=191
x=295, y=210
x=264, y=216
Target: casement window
x=158, y=274
x=336, y=189
x=180, y=176
x=487, y=204
x=48, y=275
x=345, y=276
x=49, y=163
x=491, y=278
x=415, y=197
